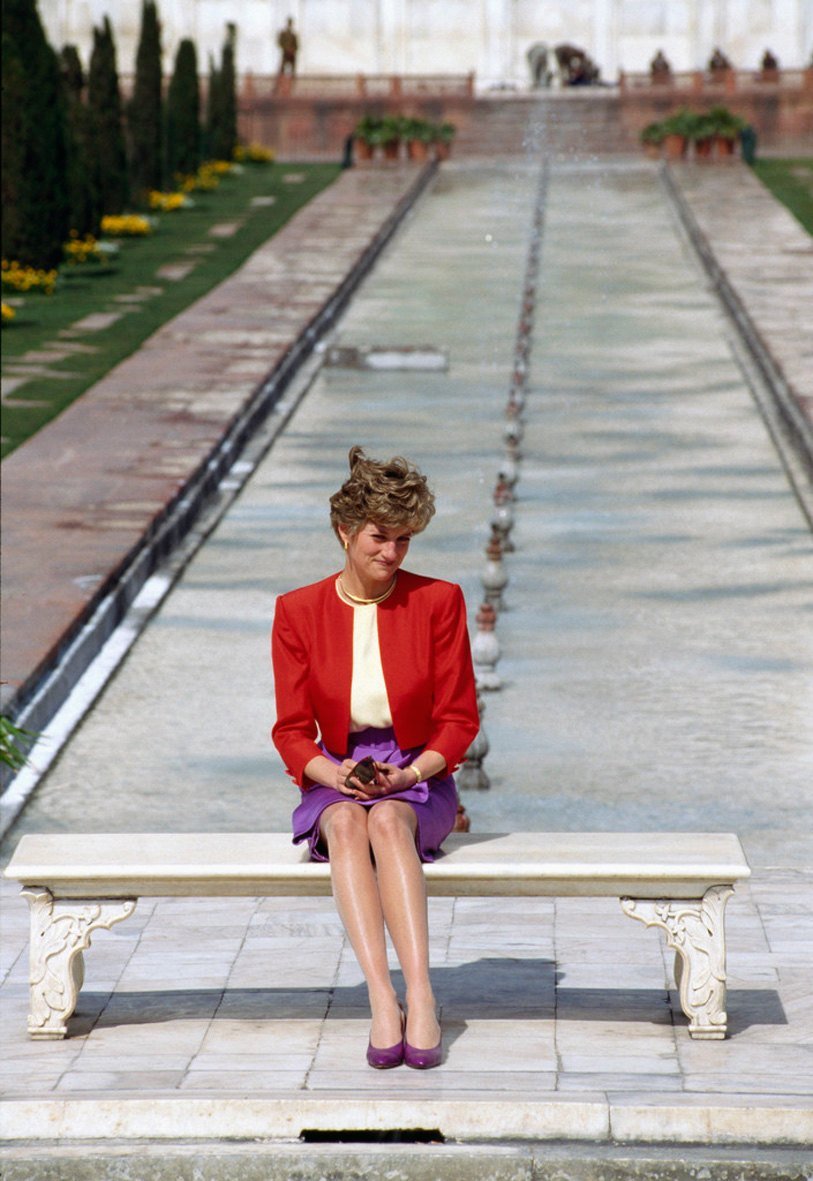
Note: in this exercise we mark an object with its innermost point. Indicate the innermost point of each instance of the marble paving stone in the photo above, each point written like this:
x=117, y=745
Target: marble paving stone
x=765, y=1082
x=601, y=975
x=436, y=1081
x=175, y=271
x=647, y=1007
x=638, y=1039
x=15, y=1068
x=273, y=1004
x=625, y=1063
x=101, y=1060
x=248, y=1060
x=258, y=1037
x=147, y=984
x=97, y=321
x=120, y=1080
x=255, y=1081
x=224, y=229
x=21, y=370
x=283, y=1060
x=739, y=1056
x=174, y=1037
x=617, y=1081
x=33, y=356
x=515, y=1054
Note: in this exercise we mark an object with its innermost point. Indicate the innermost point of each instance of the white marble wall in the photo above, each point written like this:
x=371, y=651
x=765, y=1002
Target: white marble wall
x=454, y=36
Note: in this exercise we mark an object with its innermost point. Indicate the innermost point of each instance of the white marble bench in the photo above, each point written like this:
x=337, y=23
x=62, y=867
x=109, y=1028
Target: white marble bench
x=77, y=884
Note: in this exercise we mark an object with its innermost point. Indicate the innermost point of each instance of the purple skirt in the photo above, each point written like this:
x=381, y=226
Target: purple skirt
x=434, y=802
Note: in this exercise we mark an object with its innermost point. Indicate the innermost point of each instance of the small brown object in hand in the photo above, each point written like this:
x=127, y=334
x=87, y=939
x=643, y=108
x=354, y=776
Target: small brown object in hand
x=364, y=771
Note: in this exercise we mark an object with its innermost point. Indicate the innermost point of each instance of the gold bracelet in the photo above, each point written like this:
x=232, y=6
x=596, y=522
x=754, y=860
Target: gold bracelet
x=419, y=777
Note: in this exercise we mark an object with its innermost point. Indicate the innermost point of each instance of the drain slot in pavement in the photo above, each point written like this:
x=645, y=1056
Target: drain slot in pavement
x=367, y=1136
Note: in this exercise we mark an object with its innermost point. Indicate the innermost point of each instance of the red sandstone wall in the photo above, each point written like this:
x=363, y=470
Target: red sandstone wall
x=315, y=127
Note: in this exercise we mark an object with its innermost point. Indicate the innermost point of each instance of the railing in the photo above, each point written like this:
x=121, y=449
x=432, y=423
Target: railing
x=263, y=86
x=723, y=82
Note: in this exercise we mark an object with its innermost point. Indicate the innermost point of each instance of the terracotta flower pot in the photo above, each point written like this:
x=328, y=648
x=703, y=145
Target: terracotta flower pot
x=392, y=150
x=362, y=151
x=725, y=147
x=443, y=151
x=417, y=150
x=703, y=148
x=675, y=146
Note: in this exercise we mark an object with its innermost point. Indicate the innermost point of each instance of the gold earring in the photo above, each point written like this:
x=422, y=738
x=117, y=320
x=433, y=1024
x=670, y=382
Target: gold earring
x=345, y=546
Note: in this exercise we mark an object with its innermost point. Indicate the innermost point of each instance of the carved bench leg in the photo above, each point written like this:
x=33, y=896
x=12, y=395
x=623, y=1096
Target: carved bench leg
x=60, y=931
x=695, y=928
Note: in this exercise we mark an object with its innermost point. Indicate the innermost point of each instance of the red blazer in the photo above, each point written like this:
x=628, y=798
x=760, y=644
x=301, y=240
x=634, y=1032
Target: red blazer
x=425, y=656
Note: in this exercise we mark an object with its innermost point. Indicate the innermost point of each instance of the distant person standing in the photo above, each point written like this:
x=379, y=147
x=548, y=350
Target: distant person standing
x=289, y=47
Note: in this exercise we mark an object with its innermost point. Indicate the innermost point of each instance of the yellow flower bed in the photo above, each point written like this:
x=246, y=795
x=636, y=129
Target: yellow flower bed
x=207, y=177
x=20, y=278
x=167, y=202
x=126, y=225
x=82, y=250
x=8, y=313
x=253, y=154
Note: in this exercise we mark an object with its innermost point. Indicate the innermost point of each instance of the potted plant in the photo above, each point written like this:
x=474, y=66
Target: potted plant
x=702, y=136
x=677, y=132
x=442, y=136
x=418, y=135
x=652, y=138
x=366, y=137
x=391, y=136
x=726, y=128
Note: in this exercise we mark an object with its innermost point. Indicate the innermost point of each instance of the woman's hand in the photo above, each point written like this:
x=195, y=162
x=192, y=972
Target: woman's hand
x=388, y=777
x=348, y=785
x=396, y=778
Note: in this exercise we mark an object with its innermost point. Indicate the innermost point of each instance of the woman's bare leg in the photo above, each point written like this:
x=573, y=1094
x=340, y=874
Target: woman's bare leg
x=391, y=829
x=356, y=891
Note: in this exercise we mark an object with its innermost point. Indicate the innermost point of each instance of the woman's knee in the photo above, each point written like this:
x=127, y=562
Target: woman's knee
x=392, y=820
x=343, y=824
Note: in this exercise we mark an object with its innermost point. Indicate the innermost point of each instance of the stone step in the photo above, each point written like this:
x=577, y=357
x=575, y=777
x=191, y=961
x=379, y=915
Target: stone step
x=565, y=123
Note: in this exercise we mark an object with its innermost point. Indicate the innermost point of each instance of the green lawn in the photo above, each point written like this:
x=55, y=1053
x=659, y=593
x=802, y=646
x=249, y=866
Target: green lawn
x=791, y=182
x=42, y=321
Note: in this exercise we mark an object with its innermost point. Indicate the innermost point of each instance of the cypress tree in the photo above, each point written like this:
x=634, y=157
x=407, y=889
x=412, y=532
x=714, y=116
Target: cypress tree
x=35, y=137
x=214, y=107
x=221, y=122
x=104, y=104
x=13, y=147
x=183, y=113
x=144, y=114
x=228, y=82
x=81, y=179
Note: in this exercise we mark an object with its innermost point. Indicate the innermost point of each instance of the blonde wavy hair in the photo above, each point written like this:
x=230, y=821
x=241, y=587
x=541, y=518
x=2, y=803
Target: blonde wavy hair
x=391, y=493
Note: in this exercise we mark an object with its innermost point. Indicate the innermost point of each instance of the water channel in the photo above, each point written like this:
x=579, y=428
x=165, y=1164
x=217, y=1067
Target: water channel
x=658, y=632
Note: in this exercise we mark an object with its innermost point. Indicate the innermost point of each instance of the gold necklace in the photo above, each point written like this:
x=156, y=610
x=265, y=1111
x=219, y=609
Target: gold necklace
x=365, y=602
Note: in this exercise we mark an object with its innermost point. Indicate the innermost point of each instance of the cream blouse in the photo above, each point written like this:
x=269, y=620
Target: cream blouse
x=369, y=704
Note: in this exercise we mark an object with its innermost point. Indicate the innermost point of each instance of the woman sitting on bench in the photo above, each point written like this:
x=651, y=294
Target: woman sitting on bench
x=376, y=706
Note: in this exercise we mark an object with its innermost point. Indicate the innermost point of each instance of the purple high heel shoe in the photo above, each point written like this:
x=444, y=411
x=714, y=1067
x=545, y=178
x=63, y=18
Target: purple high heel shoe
x=422, y=1059
x=385, y=1059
